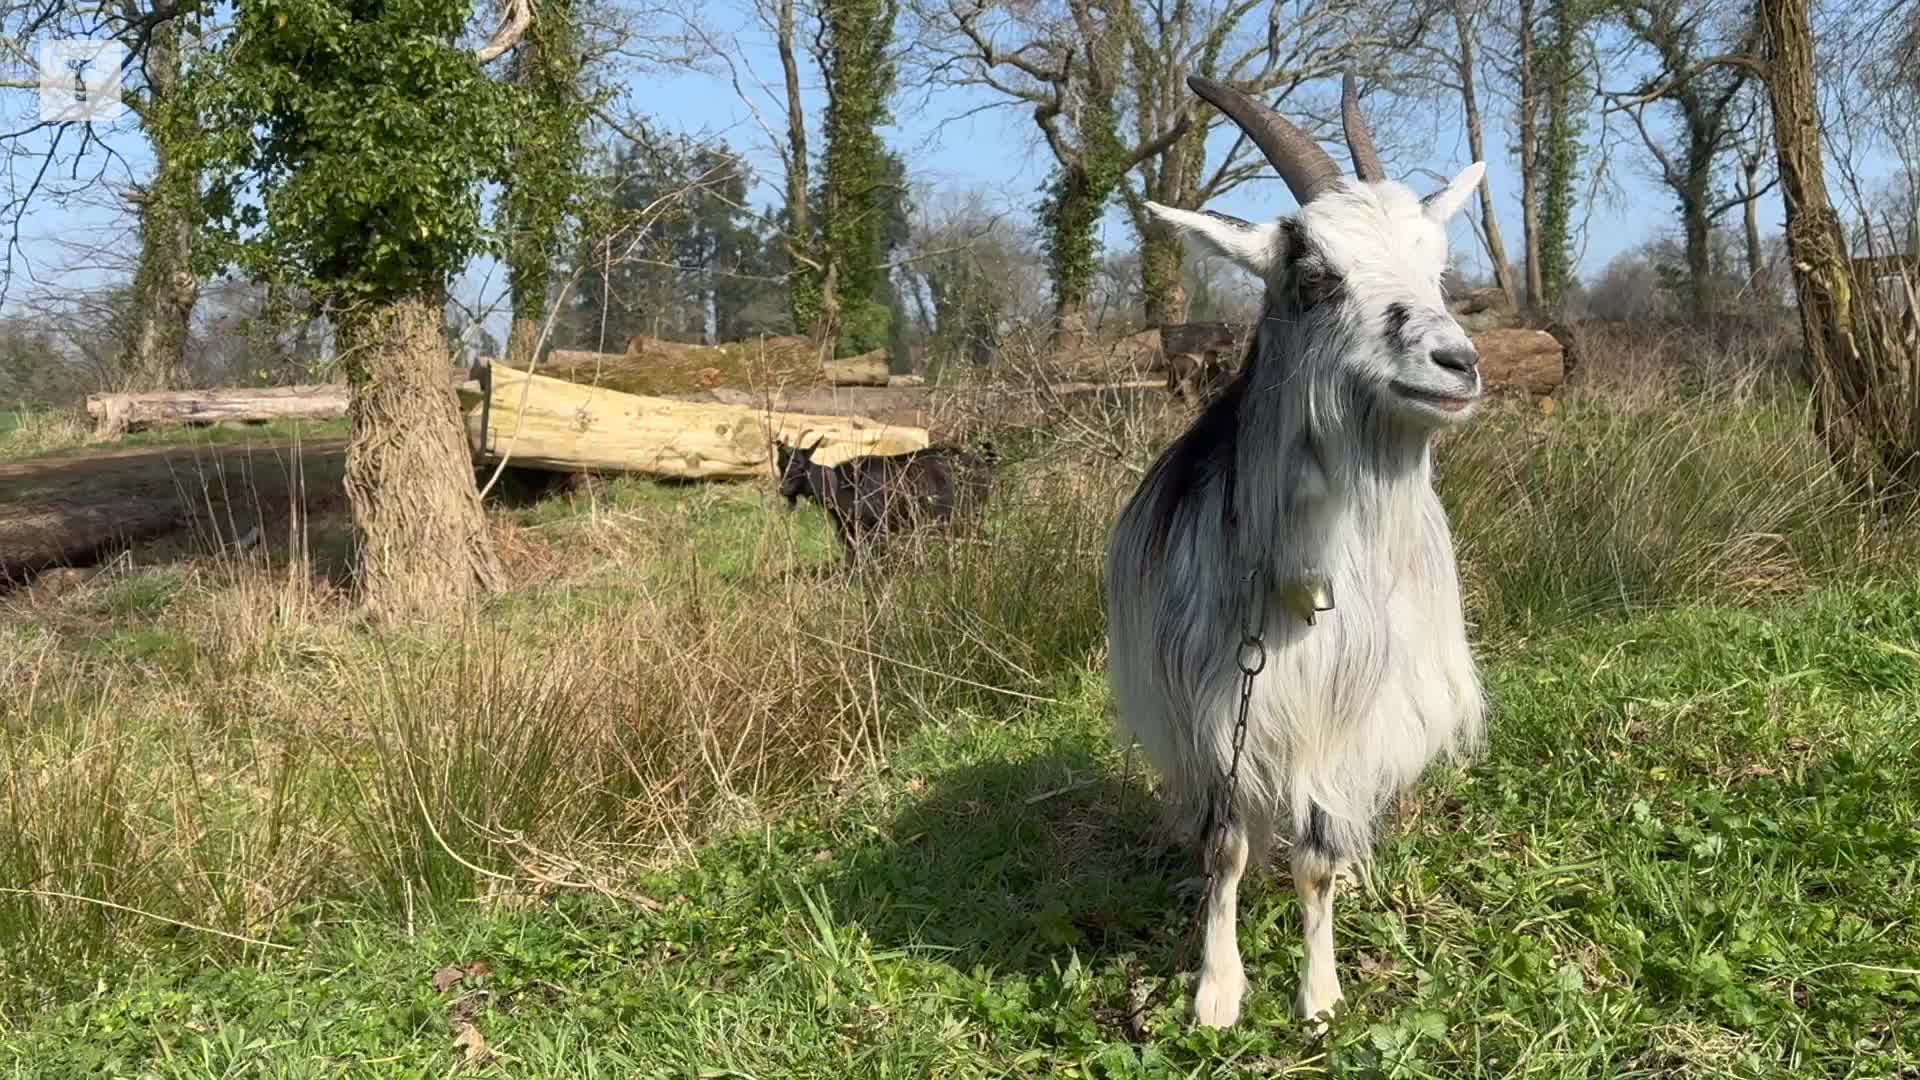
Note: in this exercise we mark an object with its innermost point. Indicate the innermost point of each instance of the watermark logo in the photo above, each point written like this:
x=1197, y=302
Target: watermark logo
x=80, y=81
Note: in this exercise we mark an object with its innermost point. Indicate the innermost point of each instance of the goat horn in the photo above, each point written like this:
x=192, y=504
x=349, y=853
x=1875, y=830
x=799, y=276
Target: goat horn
x=1294, y=154
x=1366, y=157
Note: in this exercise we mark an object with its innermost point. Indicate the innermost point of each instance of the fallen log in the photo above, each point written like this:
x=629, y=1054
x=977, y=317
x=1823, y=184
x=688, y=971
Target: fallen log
x=942, y=410
x=867, y=369
x=117, y=414
x=651, y=366
x=1528, y=362
x=546, y=423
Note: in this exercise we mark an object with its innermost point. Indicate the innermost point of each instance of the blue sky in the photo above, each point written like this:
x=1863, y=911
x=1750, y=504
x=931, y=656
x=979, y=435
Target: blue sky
x=950, y=145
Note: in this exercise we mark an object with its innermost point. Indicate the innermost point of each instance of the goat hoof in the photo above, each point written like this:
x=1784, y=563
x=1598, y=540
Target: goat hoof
x=1216, y=1004
x=1317, y=1009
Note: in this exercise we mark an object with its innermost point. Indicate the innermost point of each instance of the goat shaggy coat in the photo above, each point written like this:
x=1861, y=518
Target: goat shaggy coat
x=1313, y=462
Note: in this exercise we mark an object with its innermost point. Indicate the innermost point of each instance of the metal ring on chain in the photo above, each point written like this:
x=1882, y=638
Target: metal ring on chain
x=1254, y=647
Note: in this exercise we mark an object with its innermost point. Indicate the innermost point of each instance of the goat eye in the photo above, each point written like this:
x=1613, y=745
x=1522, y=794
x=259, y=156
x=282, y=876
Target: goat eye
x=1317, y=285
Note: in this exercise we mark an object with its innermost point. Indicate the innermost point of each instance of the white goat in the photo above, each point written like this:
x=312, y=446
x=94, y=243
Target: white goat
x=1311, y=468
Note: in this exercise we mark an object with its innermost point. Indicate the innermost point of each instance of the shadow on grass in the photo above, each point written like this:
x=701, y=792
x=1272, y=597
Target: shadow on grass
x=1016, y=865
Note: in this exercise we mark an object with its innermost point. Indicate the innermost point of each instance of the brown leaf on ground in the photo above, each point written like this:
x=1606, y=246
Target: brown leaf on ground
x=454, y=974
x=1376, y=965
x=472, y=1045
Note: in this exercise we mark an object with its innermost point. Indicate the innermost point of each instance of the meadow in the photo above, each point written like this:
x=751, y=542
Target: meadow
x=688, y=802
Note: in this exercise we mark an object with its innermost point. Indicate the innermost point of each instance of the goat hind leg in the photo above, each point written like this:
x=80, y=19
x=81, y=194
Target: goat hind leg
x=1223, y=980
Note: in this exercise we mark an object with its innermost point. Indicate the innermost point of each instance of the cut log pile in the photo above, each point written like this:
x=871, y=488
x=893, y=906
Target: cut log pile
x=542, y=422
x=941, y=409
x=653, y=366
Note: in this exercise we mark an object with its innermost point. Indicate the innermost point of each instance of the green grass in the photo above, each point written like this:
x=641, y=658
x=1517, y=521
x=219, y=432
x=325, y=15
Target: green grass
x=704, y=805
x=1689, y=850
x=26, y=435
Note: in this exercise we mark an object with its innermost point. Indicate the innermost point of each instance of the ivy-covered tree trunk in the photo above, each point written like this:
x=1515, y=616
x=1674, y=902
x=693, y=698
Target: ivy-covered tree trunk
x=1865, y=375
x=1162, y=263
x=422, y=536
x=1561, y=150
x=154, y=356
x=1696, y=229
x=1072, y=212
x=544, y=175
x=859, y=81
x=1172, y=179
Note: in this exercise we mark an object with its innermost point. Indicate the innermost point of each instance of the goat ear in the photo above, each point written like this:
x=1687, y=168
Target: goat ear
x=1443, y=204
x=1254, y=248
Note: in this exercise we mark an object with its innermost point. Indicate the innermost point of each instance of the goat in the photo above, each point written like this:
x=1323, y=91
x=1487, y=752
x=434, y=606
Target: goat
x=873, y=497
x=1195, y=376
x=1310, y=474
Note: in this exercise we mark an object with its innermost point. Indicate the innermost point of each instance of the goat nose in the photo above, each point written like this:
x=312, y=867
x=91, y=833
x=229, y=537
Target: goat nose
x=1460, y=358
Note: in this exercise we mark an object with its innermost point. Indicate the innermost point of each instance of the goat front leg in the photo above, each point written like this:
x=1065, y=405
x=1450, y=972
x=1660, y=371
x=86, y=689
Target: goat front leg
x=1223, y=981
x=1314, y=871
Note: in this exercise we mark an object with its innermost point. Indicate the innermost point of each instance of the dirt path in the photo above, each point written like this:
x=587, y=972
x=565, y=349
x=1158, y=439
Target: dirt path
x=77, y=508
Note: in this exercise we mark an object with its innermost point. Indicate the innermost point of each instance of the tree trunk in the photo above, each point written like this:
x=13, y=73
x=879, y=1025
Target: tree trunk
x=1161, y=264
x=422, y=537
x=1477, y=149
x=523, y=342
x=154, y=356
x=802, y=287
x=1561, y=153
x=1864, y=376
x=1697, y=229
x=1750, y=212
x=1530, y=158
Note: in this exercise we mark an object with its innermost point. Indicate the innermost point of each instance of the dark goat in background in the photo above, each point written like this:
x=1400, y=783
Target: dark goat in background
x=874, y=497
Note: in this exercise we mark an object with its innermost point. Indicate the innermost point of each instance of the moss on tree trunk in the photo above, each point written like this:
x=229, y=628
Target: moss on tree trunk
x=423, y=543
x=1866, y=388
x=154, y=356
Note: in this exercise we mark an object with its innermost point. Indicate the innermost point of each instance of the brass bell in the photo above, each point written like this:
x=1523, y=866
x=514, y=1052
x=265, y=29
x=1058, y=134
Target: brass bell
x=1307, y=595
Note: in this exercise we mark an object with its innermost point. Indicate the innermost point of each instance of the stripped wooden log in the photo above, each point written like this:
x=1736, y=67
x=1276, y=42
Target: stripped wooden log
x=547, y=423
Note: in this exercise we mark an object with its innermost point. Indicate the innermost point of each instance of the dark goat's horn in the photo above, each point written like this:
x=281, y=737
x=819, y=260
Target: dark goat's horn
x=1294, y=154
x=1366, y=157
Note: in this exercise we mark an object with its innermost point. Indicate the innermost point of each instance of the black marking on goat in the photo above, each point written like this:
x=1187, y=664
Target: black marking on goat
x=1239, y=223
x=1397, y=318
x=1203, y=451
x=1314, y=280
x=1314, y=836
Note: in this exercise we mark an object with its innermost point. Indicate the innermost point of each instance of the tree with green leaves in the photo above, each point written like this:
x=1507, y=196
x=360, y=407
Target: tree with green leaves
x=855, y=312
x=345, y=144
x=678, y=255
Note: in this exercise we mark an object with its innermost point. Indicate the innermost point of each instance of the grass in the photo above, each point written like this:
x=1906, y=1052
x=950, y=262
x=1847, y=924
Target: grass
x=27, y=434
x=696, y=804
x=1688, y=851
